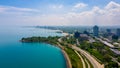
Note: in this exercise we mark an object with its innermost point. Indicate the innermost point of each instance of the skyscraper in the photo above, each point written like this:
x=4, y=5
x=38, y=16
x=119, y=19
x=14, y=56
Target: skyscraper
x=108, y=30
x=118, y=32
x=96, y=31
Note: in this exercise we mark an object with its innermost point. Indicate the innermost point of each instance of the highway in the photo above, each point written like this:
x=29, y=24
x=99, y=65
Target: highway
x=83, y=62
x=105, y=42
x=93, y=61
x=87, y=63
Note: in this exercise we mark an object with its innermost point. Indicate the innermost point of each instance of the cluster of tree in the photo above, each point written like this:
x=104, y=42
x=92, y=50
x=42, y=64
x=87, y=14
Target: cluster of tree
x=86, y=32
x=82, y=39
x=115, y=37
x=112, y=65
x=77, y=34
x=97, y=50
x=100, y=51
x=118, y=59
x=51, y=40
x=70, y=40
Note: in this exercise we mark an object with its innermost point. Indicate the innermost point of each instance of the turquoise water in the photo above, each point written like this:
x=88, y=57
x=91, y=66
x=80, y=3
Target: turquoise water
x=14, y=54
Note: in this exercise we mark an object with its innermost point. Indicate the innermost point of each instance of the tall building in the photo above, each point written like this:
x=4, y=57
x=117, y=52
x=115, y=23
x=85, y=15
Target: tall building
x=118, y=32
x=108, y=30
x=96, y=31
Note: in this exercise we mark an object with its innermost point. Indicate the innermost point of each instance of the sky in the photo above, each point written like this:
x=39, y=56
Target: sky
x=60, y=12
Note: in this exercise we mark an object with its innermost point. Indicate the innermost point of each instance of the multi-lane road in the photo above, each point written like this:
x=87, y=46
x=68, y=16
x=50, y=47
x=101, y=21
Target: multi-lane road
x=93, y=61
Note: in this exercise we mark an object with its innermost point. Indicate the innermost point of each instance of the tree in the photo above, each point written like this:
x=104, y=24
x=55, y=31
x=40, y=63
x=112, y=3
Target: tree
x=112, y=65
x=118, y=59
x=107, y=58
x=115, y=37
x=76, y=34
x=85, y=32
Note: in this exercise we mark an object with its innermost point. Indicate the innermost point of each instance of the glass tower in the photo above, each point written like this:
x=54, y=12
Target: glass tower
x=96, y=31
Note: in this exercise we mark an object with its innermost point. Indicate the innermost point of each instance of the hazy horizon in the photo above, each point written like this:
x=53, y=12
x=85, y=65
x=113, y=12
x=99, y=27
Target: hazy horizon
x=60, y=12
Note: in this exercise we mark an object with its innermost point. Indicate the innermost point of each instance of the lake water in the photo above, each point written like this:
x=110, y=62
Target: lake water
x=14, y=54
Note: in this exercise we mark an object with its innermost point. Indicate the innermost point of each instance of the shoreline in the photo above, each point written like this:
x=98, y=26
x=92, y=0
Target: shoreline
x=65, y=34
x=67, y=59
x=60, y=31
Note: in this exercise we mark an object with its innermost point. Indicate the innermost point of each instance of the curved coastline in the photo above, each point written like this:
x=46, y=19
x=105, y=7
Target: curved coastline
x=66, y=57
x=68, y=62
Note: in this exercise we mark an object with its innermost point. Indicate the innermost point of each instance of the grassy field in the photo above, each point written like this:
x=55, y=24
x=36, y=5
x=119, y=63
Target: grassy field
x=75, y=60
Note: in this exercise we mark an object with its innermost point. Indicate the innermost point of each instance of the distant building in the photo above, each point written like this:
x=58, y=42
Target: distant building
x=76, y=34
x=83, y=37
x=86, y=32
x=118, y=32
x=96, y=31
x=108, y=30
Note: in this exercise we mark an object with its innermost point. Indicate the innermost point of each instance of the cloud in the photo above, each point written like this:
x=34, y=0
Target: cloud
x=2, y=9
x=16, y=9
x=77, y=7
x=95, y=16
x=80, y=5
x=56, y=6
x=107, y=15
x=112, y=5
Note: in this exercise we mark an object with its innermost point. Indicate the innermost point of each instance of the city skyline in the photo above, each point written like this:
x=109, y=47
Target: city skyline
x=60, y=12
